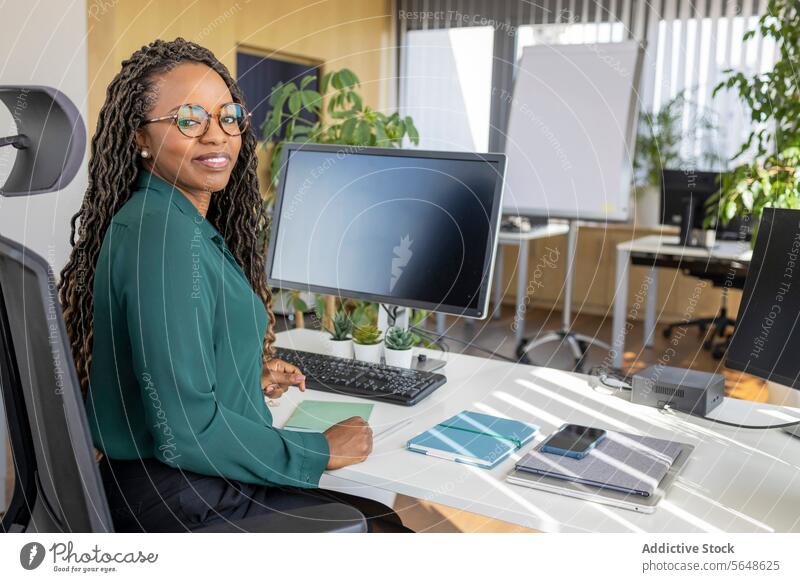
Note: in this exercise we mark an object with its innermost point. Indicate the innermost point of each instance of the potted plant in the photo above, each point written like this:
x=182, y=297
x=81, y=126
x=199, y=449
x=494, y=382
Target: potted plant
x=367, y=343
x=298, y=114
x=658, y=146
x=771, y=178
x=336, y=114
x=340, y=344
x=398, y=345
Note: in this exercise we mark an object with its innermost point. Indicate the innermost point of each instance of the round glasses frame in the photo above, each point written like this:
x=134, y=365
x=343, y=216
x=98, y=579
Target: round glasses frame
x=240, y=128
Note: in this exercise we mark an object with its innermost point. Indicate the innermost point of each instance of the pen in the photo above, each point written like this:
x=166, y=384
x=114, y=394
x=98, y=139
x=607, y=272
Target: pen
x=391, y=429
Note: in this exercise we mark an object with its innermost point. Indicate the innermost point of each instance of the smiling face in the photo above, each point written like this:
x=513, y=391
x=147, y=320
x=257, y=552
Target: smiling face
x=196, y=165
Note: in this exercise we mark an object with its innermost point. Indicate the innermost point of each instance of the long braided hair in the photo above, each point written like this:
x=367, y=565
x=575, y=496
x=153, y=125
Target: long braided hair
x=236, y=212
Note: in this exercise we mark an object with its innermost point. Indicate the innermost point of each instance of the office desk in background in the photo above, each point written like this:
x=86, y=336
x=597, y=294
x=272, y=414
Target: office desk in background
x=521, y=240
x=736, y=480
x=659, y=247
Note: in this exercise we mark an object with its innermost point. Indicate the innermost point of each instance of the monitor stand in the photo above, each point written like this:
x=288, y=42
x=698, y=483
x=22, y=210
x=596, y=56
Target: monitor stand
x=686, y=237
x=421, y=362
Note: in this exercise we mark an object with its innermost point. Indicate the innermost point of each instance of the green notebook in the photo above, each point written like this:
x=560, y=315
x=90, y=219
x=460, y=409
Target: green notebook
x=320, y=415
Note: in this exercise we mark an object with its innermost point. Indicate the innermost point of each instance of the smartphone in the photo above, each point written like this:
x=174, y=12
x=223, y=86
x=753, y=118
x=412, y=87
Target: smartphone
x=573, y=440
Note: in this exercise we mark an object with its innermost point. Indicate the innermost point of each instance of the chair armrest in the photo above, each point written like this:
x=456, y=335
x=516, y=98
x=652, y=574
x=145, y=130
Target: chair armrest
x=324, y=518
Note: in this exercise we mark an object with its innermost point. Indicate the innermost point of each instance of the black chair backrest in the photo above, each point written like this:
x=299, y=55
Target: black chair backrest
x=58, y=483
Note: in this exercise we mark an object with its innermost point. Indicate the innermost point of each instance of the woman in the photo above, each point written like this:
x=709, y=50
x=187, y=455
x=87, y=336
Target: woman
x=168, y=310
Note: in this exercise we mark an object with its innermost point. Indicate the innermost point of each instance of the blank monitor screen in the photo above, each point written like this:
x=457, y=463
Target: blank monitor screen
x=678, y=187
x=766, y=341
x=403, y=227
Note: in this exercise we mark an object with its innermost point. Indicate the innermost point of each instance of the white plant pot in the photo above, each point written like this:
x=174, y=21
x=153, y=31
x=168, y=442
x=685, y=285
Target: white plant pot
x=647, y=201
x=340, y=348
x=399, y=358
x=370, y=353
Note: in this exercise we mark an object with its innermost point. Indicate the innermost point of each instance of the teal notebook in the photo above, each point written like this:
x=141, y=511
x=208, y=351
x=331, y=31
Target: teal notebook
x=474, y=438
x=320, y=415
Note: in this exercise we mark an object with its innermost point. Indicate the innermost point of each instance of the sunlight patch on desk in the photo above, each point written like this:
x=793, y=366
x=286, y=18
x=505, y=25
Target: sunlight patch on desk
x=540, y=415
x=693, y=491
x=575, y=405
x=703, y=433
x=657, y=418
x=550, y=522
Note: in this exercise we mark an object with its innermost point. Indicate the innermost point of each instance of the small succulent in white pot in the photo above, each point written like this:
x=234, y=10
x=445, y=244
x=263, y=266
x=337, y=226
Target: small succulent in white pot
x=340, y=344
x=398, y=346
x=367, y=343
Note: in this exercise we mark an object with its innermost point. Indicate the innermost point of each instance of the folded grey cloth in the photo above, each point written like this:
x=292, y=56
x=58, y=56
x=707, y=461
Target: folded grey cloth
x=624, y=462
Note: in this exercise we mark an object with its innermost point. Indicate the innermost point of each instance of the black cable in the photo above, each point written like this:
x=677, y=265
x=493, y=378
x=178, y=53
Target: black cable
x=465, y=343
x=734, y=424
x=603, y=374
x=392, y=314
x=443, y=347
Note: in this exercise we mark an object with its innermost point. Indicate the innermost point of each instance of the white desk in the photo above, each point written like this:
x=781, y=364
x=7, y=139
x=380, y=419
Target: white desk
x=521, y=240
x=664, y=246
x=736, y=480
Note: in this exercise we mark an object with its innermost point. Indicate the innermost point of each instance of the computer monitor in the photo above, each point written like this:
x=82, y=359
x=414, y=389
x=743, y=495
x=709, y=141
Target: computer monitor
x=403, y=227
x=684, y=194
x=684, y=198
x=766, y=341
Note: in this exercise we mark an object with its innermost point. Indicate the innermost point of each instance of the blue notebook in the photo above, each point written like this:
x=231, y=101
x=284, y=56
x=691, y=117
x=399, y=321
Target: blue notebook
x=474, y=438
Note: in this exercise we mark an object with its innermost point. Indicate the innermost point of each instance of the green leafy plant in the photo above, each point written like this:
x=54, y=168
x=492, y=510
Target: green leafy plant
x=367, y=334
x=345, y=120
x=341, y=326
x=362, y=312
x=659, y=139
x=772, y=177
x=398, y=338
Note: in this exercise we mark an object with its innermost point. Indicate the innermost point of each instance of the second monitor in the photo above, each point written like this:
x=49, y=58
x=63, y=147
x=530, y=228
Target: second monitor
x=403, y=227
x=684, y=198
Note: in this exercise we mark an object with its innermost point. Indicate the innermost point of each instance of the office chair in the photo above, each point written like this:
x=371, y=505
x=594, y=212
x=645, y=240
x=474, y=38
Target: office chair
x=720, y=275
x=57, y=482
x=58, y=486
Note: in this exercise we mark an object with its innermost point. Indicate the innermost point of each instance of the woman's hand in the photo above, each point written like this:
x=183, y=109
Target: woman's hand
x=349, y=442
x=278, y=376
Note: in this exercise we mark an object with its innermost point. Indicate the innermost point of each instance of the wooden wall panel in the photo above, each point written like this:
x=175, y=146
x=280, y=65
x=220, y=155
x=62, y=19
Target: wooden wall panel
x=595, y=273
x=342, y=33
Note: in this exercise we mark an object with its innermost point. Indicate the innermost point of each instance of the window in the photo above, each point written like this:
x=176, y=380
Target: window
x=446, y=87
x=569, y=33
x=448, y=64
x=258, y=76
x=692, y=55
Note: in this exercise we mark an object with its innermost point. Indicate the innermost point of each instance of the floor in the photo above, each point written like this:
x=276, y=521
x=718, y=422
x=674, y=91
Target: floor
x=498, y=335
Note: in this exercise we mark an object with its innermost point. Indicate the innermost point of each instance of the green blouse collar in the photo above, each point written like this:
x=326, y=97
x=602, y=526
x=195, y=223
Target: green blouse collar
x=149, y=181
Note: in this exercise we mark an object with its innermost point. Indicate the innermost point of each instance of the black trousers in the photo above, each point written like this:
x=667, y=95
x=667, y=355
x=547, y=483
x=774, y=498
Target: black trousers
x=149, y=496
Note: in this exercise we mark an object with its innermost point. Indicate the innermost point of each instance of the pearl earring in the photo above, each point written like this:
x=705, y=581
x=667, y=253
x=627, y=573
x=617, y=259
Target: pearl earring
x=145, y=154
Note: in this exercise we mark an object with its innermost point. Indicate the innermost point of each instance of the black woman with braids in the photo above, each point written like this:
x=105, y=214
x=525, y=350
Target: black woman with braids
x=168, y=311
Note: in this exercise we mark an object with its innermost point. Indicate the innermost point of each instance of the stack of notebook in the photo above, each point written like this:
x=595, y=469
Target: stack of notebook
x=474, y=438
x=624, y=470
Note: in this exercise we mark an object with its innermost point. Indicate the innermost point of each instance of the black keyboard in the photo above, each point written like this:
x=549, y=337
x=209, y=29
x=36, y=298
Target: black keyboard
x=357, y=378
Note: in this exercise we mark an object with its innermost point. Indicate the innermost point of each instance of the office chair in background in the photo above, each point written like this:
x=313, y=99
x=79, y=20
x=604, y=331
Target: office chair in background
x=721, y=325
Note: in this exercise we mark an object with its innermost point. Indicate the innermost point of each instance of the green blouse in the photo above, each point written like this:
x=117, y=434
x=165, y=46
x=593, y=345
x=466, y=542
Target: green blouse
x=176, y=359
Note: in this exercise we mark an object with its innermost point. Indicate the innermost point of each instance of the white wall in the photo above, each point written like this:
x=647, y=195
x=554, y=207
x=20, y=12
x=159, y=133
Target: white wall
x=41, y=43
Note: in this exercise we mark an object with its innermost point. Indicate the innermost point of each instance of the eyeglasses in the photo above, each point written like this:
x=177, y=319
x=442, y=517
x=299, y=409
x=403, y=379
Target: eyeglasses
x=194, y=120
